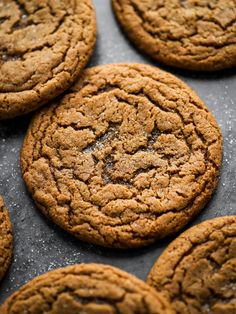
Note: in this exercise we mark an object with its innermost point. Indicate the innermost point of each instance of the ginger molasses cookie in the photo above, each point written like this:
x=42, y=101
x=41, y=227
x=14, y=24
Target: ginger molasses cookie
x=44, y=47
x=197, y=272
x=129, y=155
x=6, y=240
x=189, y=34
x=86, y=288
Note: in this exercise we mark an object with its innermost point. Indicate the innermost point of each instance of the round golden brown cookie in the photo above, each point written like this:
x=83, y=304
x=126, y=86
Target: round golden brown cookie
x=129, y=155
x=197, y=272
x=86, y=289
x=6, y=240
x=44, y=47
x=190, y=34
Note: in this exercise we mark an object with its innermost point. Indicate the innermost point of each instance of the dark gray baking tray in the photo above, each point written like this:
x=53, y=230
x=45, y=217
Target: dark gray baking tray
x=39, y=245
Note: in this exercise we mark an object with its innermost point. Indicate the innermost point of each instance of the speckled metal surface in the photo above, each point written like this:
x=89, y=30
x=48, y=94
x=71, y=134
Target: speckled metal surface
x=40, y=246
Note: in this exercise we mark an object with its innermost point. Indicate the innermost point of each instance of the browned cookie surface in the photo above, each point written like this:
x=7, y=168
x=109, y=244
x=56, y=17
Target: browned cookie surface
x=86, y=289
x=5, y=239
x=197, y=272
x=44, y=46
x=127, y=156
x=190, y=34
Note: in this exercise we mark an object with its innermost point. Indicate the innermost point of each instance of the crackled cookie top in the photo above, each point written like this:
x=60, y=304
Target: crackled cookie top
x=5, y=239
x=44, y=46
x=129, y=155
x=197, y=272
x=190, y=34
x=86, y=289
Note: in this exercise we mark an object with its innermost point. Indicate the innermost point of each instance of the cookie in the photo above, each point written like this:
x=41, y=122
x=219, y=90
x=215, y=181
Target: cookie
x=197, y=272
x=6, y=240
x=189, y=34
x=128, y=156
x=44, y=47
x=86, y=288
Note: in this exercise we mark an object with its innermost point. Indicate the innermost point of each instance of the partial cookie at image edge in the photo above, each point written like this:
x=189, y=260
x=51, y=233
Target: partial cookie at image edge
x=171, y=33
x=196, y=272
x=91, y=288
x=36, y=71
x=6, y=239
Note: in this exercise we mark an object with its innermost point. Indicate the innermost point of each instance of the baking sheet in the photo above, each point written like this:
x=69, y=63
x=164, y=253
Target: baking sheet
x=39, y=245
